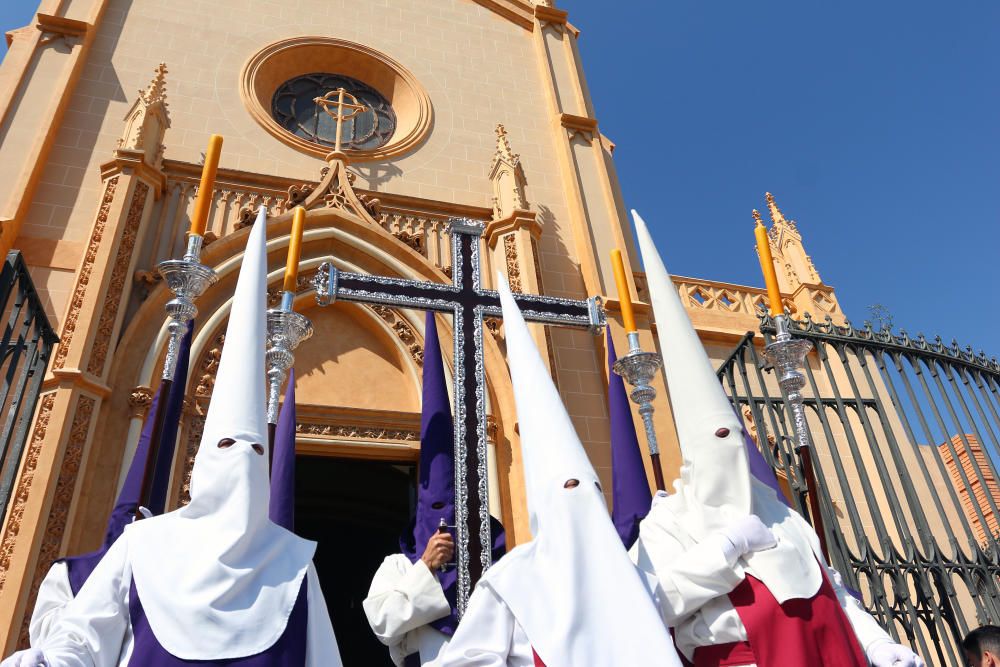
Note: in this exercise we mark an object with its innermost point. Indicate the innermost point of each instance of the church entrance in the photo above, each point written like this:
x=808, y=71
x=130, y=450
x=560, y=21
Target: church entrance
x=355, y=510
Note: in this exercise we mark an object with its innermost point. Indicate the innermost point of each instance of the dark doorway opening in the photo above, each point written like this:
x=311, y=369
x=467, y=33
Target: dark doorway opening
x=355, y=510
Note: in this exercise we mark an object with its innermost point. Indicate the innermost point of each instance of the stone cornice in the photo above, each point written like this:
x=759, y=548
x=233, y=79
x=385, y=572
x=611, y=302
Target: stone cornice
x=551, y=15
x=517, y=220
x=126, y=161
x=60, y=25
x=518, y=12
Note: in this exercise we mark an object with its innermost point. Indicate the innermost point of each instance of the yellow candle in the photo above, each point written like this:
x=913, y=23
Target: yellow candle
x=204, y=201
x=624, y=296
x=767, y=267
x=294, y=249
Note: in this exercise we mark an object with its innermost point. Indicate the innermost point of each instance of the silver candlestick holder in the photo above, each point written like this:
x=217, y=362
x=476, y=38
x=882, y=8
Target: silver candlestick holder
x=188, y=279
x=639, y=368
x=286, y=329
x=787, y=356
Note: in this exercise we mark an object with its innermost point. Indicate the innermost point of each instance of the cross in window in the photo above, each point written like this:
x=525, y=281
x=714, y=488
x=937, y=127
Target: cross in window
x=340, y=105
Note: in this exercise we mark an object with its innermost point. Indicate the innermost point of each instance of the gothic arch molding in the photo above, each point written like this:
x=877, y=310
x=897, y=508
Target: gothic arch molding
x=356, y=245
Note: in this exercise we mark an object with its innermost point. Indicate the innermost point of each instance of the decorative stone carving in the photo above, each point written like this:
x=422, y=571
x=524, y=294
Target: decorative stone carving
x=55, y=527
x=357, y=432
x=139, y=399
x=513, y=268
x=24, y=484
x=209, y=367
x=147, y=120
x=116, y=286
x=83, y=280
x=403, y=331
x=507, y=177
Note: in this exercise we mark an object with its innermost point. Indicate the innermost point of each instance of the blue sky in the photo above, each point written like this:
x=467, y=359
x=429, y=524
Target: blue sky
x=875, y=124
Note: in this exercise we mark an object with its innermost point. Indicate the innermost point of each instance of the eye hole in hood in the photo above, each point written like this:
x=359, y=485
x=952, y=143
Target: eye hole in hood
x=722, y=432
x=226, y=443
x=571, y=483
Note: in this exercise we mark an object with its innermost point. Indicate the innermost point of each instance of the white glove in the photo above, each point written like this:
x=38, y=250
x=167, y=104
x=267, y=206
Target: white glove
x=885, y=653
x=31, y=657
x=747, y=535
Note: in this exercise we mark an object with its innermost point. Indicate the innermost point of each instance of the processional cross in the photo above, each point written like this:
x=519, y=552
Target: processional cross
x=468, y=302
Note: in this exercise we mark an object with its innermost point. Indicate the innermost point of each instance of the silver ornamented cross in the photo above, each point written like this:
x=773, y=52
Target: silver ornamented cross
x=468, y=303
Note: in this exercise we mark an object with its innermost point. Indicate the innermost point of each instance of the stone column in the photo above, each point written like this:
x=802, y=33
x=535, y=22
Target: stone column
x=40, y=520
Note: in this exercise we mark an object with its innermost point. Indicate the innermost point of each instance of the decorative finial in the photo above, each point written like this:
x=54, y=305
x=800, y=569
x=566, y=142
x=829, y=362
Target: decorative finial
x=756, y=217
x=504, y=151
x=776, y=215
x=157, y=89
x=507, y=177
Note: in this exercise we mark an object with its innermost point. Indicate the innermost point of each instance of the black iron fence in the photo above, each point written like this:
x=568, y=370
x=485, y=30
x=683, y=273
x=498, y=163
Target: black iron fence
x=27, y=343
x=905, y=433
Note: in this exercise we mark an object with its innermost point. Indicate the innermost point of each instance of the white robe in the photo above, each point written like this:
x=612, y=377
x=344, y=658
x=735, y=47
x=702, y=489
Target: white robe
x=693, y=581
x=489, y=636
x=404, y=597
x=95, y=631
x=53, y=596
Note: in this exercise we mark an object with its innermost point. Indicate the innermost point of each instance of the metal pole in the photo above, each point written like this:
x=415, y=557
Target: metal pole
x=639, y=368
x=788, y=356
x=285, y=330
x=188, y=279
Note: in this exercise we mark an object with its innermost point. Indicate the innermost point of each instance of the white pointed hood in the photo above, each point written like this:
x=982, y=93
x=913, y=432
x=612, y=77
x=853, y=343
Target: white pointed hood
x=572, y=588
x=716, y=486
x=217, y=578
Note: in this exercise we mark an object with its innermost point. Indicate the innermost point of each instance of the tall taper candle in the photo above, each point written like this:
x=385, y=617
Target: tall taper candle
x=767, y=266
x=202, y=205
x=624, y=296
x=294, y=249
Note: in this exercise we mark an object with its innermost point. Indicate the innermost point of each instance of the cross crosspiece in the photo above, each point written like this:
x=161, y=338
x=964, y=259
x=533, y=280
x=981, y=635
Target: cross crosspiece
x=468, y=303
x=340, y=104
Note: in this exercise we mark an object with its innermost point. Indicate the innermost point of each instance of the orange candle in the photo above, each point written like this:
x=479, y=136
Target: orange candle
x=204, y=201
x=624, y=296
x=294, y=249
x=767, y=267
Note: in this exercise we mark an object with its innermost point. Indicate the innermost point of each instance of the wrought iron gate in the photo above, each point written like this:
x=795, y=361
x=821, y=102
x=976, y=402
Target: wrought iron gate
x=905, y=432
x=27, y=343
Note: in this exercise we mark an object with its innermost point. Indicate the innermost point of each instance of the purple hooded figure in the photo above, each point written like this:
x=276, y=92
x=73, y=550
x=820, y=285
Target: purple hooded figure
x=411, y=609
x=79, y=567
x=282, y=510
x=629, y=487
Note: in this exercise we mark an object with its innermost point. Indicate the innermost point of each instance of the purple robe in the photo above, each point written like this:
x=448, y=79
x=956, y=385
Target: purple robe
x=282, y=509
x=630, y=494
x=436, y=484
x=78, y=568
x=288, y=651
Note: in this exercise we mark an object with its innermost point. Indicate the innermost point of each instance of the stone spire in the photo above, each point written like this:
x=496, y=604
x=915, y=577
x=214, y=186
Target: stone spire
x=796, y=273
x=148, y=119
x=507, y=178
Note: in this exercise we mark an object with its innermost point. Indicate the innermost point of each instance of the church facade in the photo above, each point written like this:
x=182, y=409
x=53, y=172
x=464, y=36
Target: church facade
x=473, y=109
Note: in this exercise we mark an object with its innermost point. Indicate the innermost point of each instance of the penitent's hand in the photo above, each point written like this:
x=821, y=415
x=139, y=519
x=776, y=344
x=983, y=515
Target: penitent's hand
x=440, y=550
x=31, y=657
x=889, y=654
x=747, y=535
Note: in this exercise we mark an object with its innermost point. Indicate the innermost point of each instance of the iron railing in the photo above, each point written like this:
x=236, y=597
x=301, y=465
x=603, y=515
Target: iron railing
x=905, y=432
x=27, y=343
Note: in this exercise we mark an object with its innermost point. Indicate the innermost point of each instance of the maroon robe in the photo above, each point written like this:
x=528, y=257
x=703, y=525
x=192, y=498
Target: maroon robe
x=797, y=632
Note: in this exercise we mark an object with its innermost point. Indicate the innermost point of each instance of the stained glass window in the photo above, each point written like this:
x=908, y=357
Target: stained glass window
x=295, y=109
